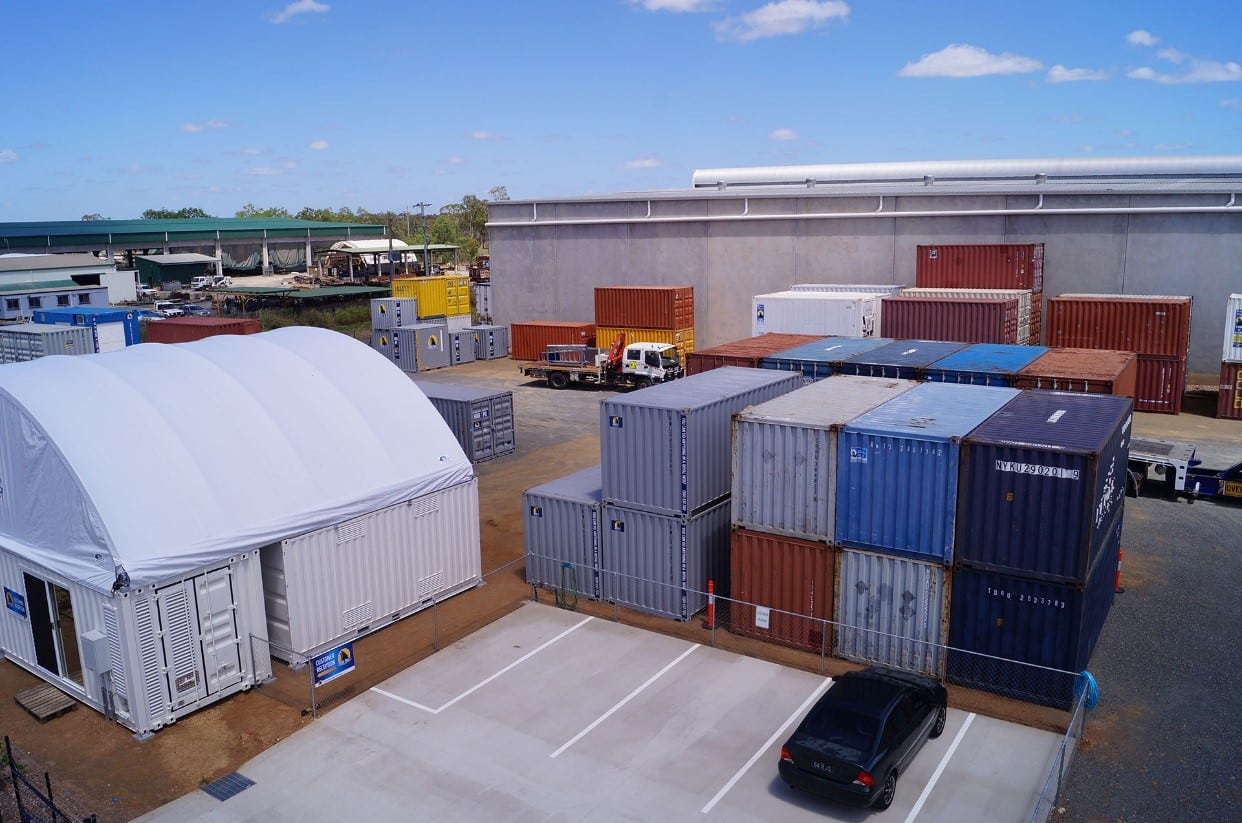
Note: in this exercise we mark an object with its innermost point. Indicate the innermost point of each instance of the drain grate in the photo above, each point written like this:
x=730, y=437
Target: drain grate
x=227, y=786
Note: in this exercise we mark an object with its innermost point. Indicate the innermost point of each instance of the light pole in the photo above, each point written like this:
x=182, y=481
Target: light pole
x=423, y=214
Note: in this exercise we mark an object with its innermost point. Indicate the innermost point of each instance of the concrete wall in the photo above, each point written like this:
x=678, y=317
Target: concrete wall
x=544, y=270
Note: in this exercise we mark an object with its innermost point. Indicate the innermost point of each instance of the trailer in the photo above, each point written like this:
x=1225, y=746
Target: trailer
x=635, y=365
x=1179, y=472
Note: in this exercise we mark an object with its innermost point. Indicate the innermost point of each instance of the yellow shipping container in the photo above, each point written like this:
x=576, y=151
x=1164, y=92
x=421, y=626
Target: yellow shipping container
x=683, y=339
x=437, y=296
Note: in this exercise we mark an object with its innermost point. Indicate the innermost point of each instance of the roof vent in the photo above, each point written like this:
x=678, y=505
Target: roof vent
x=928, y=179
x=1041, y=178
x=810, y=182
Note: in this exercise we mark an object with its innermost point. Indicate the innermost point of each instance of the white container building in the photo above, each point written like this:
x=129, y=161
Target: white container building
x=846, y=314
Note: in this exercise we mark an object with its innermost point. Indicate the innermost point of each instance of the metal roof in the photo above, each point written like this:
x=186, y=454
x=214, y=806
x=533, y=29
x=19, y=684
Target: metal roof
x=187, y=258
x=101, y=233
x=46, y=285
x=339, y=291
x=39, y=262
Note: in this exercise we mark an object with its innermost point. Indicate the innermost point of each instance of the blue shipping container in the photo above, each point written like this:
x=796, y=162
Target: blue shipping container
x=820, y=359
x=1041, y=481
x=906, y=359
x=897, y=469
x=984, y=364
x=92, y=317
x=1032, y=621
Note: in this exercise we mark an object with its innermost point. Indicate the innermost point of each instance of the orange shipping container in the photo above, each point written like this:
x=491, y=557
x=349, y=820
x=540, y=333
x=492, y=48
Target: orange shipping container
x=683, y=339
x=189, y=329
x=747, y=353
x=981, y=266
x=1161, y=384
x=645, y=307
x=1091, y=371
x=781, y=589
x=1230, y=403
x=1147, y=324
x=527, y=341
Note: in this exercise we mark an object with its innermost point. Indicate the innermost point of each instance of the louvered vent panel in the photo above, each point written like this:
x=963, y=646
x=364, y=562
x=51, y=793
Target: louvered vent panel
x=179, y=637
x=359, y=615
x=351, y=531
x=429, y=504
x=431, y=583
x=119, y=683
x=149, y=657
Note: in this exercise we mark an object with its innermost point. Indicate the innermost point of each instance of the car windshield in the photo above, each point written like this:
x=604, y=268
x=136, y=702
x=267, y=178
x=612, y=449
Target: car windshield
x=843, y=732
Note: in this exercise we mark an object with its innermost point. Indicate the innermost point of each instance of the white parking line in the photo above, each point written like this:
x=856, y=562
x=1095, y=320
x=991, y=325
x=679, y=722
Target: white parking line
x=483, y=683
x=775, y=736
x=624, y=700
x=944, y=761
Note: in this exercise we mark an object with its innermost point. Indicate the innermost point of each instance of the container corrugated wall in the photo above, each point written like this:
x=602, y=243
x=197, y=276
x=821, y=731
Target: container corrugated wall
x=420, y=347
x=1229, y=401
x=1231, y=352
x=645, y=307
x=947, y=318
x=461, y=347
x=562, y=525
x=797, y=578
x=1160, y=384
x=905, y=359
x=437, y=296
x=189, y=329
x=892, y=611
x=480, y=418
x=490, y=342
x=20, y=342
x=897, y=469
x=528, y=340
x=1145, y=324
x=661, y=564
x=1023, y=296
x=981, y=266
x=1041, y=482
x=984, y=364
x=683, y=339
x=747, y=353
x=1090, y=371
x=785, y=454
x=393, y=312
x=1012, y=618
x=857, y=288
x=823, y=313
x=667, y=448
x=822, y=357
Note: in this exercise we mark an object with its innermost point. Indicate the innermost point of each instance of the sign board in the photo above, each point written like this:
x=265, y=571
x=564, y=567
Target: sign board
x=15, y=602
x=334, y=663
x=763, y=617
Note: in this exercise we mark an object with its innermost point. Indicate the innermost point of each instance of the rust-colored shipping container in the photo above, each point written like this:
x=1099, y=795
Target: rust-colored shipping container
x=772, y=579
x=1147, y=324
x=981, y=266
x=645, y=307
x=189, y=329
x=955, y=319
x=747, y=353
x=1230, y=403
x=1091, y=371
x=1161, y=384
x=683, y=339
x=527, y=341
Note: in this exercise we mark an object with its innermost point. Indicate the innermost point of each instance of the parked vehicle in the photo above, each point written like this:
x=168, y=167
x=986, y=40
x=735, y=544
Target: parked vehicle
x=862, y=735
x=195, y=310
x=145, y=292
x=629, y=366
x=148, y=314
x=167, y=308
x=214, y=281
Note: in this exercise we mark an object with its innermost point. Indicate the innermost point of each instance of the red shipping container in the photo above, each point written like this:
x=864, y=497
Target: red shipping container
x=1161, y=384
x=645, y=307
x=527, y=341
x=768, y=571
x=961, y=320
x=747, y=353
x=1091, y=371
x=981, y=266
x=1147, y=324
x=1230, y=403
x=189, y=329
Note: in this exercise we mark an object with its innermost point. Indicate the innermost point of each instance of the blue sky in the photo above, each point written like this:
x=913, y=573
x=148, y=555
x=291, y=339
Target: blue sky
x=114, y=108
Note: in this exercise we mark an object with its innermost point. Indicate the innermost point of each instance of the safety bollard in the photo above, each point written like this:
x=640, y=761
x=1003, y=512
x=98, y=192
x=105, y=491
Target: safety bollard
x=711, y=605
x=1121, y=553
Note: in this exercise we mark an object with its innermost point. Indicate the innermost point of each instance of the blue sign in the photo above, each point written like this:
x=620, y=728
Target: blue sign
x=15, y=602
x=334, y=663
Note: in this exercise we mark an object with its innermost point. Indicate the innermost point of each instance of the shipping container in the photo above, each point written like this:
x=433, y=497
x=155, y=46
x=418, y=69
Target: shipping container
x=683, y=339
x=481, y=300
x=984, y=364
x=527, y=341
x=440, y=295
x=822, y=357
x=1090, y=371
x=785, y=454
x=782, y=590
x=898, y=469
x=1145, y=324
x=904, y=359
x=563, y=536
x=461, y=347
x=645, y=307
x=458, y=322
x=747, y=353
x=188, y=329
x=1232, y=350
x=1229, y=401
x=661, y=564
x=20, y=342
x=393, y=312
x=480, y=417
x=420, y=347
x=981, y=266
x=848, y=314
x=490, y=342
x=857, y=288
x=998, y=619
x=667, y=448
x=1161, y=383
x=112, y=328
x=357, y=577
x=892, y=611
x=948, y=318
x=1041, y=482
x=1023, y=296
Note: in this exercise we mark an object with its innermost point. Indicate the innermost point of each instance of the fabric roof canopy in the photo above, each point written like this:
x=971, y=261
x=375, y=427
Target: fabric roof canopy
x=146, y=464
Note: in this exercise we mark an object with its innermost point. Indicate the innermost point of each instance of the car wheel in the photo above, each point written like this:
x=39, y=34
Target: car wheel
x=558, y=379
x=938, y=726
x=887, y=791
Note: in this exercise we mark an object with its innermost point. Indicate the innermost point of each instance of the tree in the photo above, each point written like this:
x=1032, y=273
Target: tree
x=95, y=216
x=251, y=210
x=181, y=214
x=498, y=193
x=341, y=215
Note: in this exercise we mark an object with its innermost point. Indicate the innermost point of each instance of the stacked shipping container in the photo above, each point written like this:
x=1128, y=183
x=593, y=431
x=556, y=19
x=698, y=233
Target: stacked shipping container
x=965, y=320
x=747, y=353
x=416, y=347
x=442, y=299
x=848, y=314
x=905, y=359
x=651, y=314
x=986, y=266
x=984, y=364
x=821, y=358
x=1023, y=297
x=527, y=341
x=1229, y=403
x=490, y=342
x=1091, y=371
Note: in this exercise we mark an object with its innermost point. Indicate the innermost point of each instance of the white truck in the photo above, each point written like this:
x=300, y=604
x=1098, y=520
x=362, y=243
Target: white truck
x=635, y=365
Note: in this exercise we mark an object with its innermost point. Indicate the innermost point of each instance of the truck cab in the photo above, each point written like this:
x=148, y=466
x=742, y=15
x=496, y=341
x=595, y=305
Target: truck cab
x=654, y=361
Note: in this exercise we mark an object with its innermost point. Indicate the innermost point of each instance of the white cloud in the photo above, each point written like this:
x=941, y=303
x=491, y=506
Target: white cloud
x=1124, y=133
x=1172, y=55
x=1197, y=71
x=1174, y=146
x=318, y=145
x=194, y=128
x=252, y=151
x=455, y=160
x=484, y=135
x=677, y=5
x=962, y=60
x=8, y=156
x=783, y=134
x=1141, y=38
x=1060, y=74
x=1229, y=103
x=782, y=17
x=299, y=7
x=1068, y=118
x=1141, y=74
x=262, y=171
x=645, y=161
x=289, y=164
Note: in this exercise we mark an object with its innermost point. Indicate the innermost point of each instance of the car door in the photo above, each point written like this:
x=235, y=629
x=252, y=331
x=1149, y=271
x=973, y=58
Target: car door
x=918, y=722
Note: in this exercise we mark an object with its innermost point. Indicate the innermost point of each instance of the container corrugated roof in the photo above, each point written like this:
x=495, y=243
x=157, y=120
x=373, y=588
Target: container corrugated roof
x=912, y=353
x=993, y=358
x=1058, y=421
x=585, y=486
x=830, y=349
x=834, y=401
x=700, y=390
x=935, y=411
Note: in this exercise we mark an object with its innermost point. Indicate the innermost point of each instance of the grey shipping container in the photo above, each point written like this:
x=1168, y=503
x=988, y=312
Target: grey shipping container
x=785, y=454
x=393, y=312
x=481, y=418
x=419, y=347
x=29, y=341
x=490, y=342
x=893, y=611
x=661, y=564
x=461, y=347
x=562, y=532
x=666, y=449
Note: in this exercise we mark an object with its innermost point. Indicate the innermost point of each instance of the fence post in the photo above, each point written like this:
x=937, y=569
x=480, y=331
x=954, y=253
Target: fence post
x=823, y=645
x=310, y=671
x=435, y=623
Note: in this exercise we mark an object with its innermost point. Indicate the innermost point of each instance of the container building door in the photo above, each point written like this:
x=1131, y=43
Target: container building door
x=199, y=631
x=55, y=631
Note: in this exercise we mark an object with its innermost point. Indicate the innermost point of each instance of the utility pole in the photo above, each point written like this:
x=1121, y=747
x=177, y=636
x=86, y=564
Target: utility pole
x=422, y=213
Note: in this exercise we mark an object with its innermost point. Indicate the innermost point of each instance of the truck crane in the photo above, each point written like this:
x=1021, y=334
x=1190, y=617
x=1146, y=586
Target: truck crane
x=634, y=365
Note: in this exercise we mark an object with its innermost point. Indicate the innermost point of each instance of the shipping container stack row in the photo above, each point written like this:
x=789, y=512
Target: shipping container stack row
x=650, y=314
x=442, y=299
x=418, y=343
x=111, y=327
x=988, y=266
x=1229, y=402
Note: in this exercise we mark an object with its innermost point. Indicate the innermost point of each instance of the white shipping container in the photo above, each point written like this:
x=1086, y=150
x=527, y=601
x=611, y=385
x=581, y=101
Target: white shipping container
x=1232, y=352
x=858, y=288
x=846, y=314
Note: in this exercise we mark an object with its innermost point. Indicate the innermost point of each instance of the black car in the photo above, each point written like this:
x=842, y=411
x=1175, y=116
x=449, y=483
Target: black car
x=862, y=734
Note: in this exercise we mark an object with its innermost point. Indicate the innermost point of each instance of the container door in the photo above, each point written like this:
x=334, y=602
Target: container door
x=217, y=615
x=111, y=336
x=502, y=424
x=481, y=430
x=199, y=632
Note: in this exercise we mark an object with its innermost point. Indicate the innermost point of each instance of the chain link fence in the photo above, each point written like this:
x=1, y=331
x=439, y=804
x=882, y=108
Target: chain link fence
x=32, y=798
